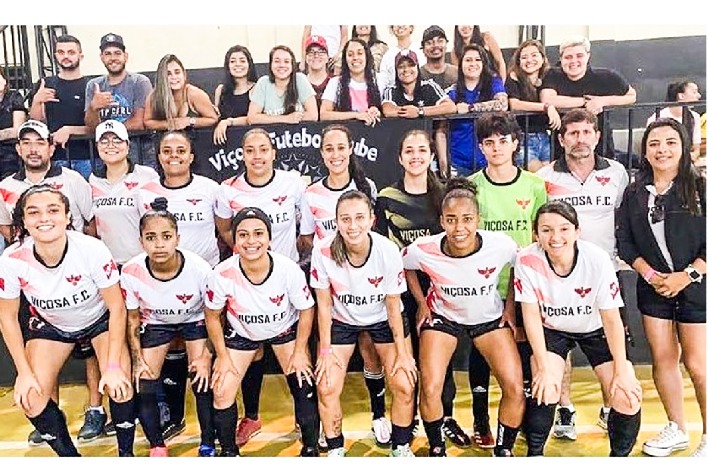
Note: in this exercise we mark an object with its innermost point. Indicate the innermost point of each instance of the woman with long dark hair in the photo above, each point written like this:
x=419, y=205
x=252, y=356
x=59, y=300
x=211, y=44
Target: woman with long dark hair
x=370, y=36
x=233, y=95
x=472, y=34
x=662, y=235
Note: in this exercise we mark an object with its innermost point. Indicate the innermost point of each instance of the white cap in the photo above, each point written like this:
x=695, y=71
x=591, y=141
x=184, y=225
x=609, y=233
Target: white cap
x=36, y=126
x=112, y=126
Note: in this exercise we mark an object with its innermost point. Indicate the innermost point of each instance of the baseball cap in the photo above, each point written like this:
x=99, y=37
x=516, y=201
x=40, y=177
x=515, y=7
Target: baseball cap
x=432, y=32
x=112, y=126
x=111, y=39
x=251, y=212
x=409, y=54
x=316, y=40
x=36, y=126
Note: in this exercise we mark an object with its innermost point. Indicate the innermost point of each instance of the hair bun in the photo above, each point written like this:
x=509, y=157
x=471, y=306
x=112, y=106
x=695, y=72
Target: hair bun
x=159, y=204
x=460, y=183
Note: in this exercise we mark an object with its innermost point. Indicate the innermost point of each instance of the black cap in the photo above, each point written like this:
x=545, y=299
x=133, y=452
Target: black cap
x=432, y=32
x=251, y=212
x=111, y=39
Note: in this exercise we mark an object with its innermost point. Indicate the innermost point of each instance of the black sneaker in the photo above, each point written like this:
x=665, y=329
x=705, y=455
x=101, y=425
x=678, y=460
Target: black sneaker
x=437, y=452
x=173, y=429
x=309, y=451
x=35, y=438
x=229, y=454
x=109, y=428
x=455, y=434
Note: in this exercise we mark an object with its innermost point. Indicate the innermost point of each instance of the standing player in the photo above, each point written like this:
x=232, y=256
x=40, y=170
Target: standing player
x=462, y=301
x=358, y=278
x=569, y=295
x=508, y=200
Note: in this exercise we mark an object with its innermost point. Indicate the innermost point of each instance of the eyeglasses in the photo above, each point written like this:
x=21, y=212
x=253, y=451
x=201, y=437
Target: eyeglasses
x=314, y=53
x=656, y=214
x=116, y=141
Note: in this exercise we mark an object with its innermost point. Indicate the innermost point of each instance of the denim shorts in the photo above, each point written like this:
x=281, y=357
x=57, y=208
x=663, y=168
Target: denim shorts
x=539, y=148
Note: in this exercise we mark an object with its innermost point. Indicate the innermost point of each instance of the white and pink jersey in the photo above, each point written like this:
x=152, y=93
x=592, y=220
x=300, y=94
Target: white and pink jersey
x=115, y=212
x=68, y=295
x=463, y=289
x=359, y=292
x=194, y=205
x=259, y=311
x=177, y=301
x=318, y=211
x=67, y=181
x=281, y=199
x=571, y=303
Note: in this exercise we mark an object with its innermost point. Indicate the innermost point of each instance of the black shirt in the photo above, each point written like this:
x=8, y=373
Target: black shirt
x=429, y=94
x=538, y=122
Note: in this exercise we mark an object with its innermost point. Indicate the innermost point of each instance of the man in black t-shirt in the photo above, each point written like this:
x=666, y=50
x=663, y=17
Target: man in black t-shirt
x=58, y=101
x=434, y=46
x=576, y=84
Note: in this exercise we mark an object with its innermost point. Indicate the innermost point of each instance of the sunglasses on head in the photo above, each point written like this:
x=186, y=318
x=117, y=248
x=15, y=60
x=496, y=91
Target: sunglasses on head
x=657, y=211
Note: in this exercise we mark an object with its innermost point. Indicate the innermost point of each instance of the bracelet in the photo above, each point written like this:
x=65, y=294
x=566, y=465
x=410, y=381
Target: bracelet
x=325, y=351
x=113, y=366
x=649, y=274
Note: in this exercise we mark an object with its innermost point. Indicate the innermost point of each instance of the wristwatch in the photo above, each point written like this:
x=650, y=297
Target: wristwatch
x=192, y=121
x=694, y=274
x=421, y=111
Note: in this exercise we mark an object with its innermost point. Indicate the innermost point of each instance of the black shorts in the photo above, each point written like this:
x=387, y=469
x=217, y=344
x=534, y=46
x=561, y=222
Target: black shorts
x=238, y=342
x=593, y=344
x=347, y=334
x=679, y=308
x=38, y=328
x=155, y=335
x=454, y=329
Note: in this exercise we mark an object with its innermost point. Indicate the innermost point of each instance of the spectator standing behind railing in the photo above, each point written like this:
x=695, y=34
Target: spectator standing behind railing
x=335, y=37
x=576, y=84
x=683, y=91
x=12, y=114
x=317, y=72
x=175, y=104
x=434, y=46
x=368, y=34
x=528, y=66
x=59, y=101
x=233, y=95
x=284, y=95
x=470, y=34
x=387, y=73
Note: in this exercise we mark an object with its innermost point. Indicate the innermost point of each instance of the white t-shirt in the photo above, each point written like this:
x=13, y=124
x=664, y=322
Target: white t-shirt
x=68, y=295
x=357, y=93
x=176, y=301
x=194, y=205
x=359, y=293
x=332, y=35
x=463, y=289
x=666, y=112
x=117, y=217
x=280, y=198
x=259, y=311
x=572, y=303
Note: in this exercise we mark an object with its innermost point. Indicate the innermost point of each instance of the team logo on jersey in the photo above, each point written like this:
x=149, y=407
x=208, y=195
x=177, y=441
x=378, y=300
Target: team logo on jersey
x=109, y=268
x=185, y=298
x=614, y=289
x=523, y=203
x=306, y=290
x=131, y=185
x=517, y=285
x=280, y=200
x=486, y=272
x=277, y=299
x=582, y=292
x=23, y=283
x=194, y=201
x=2, y=284
x=314, y=274
x=376, y=280
x=603, y=180
x=74, y=279
x=210, y=294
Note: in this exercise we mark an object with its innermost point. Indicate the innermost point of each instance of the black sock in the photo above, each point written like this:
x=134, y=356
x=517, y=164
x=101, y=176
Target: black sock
x=448, y=392
x=376, y=384
x=525, y=353
x=123, y=416
x=251, y=389
x=400, y=435
x=433, y=430
x=225, y=423
x=623, y=430
x=539, y=420
x=150, y=413
x=306, y=412
x=479, y=384
x=506, y=437
x=334, y=443
x=205, y=415
x=51, y=424
x=174, y=382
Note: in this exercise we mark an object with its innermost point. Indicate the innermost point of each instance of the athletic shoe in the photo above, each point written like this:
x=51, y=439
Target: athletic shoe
x=437, y=452
x=247, y=429
x=503, y=453
x=173, y=429
x=229, y=454
x=35, y=438
x=94, y=423
x=483, y=437
x=207, y=451
x=309, y=451
x=382, y=431
x=702, y=450
x=159, y=452
x=403, y=451
x=565, y=425
x=109, y=428
x=602, y=419
x=455, y=434
x=335, y=453
x=669, y=440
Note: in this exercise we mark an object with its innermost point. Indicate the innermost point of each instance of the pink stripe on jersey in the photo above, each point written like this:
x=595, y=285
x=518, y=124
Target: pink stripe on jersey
x=23, y=254
x=539, y=265
x=153, y=187
x=438, y=278
x=139, y=273
x=553, y=190
x=320, y=213
x=240, y=185
x=97, y=192
x=9, y=197
x=337, y=287
x=431, y=248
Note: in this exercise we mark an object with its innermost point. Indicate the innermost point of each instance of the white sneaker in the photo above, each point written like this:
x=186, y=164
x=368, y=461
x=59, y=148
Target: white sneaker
x=670, y=439
x=702, y=450
x=565, y=424
x=403, y=451
x=382, y=431
x=337, y=452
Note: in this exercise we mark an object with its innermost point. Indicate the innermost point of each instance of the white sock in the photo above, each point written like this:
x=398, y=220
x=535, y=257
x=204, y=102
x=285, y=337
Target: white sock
x=99, y=409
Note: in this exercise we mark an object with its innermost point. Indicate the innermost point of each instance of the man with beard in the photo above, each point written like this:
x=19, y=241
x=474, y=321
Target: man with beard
x=434, y=46
x=594, y=186
x=59, y=102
